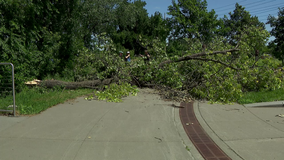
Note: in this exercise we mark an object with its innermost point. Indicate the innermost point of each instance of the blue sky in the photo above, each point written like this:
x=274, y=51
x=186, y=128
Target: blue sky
x=260, y=8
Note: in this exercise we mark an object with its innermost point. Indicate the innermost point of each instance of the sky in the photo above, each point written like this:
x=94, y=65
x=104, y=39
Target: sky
x=260, y=8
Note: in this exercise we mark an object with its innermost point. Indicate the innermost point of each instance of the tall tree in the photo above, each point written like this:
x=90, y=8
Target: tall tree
x=97, y=17
x=131, y=20
x=190, y=19
x=277, y=25
x=67, y=23
x=237, y=23
x=133, y=25
x=25, y=37
x=41, y=36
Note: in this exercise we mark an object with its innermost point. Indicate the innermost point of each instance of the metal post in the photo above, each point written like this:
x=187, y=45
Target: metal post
x=14, y=97
x=13, y=87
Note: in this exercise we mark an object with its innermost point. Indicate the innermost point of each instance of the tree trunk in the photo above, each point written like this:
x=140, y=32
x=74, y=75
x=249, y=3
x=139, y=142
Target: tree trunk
x=95, y=84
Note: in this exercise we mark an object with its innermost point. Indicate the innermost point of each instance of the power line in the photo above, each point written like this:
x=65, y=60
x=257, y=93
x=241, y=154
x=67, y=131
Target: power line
x=257, y=11
x=230, y=9
x=268, y=15
x=266, y=7
x=228, y=5
x=262, y=11
x=246, y=6
x=252, y=3
x=257, y=15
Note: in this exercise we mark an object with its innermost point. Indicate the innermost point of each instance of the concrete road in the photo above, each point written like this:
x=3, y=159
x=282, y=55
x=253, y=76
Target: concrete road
x=141, y=128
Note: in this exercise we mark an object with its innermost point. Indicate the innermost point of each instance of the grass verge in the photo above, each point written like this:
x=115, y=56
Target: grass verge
x=35, y=100
x=262, y=96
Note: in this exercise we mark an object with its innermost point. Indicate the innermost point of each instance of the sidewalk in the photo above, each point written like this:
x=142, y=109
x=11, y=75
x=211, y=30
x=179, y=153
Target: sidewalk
x=141, y=128
x=249, y=132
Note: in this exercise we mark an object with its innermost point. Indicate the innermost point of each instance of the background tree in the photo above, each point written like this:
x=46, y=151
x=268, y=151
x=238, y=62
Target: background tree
x=154, y=36
x=40, y=37
x=190, y=19
x=26, y=38
x=237, y=23
x=277, y=25
x=97, y=17
x=132, y=24
x=67, y=23
x=131, y=20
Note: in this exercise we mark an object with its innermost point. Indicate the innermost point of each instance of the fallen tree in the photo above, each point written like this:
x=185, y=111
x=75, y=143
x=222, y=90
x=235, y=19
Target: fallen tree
x=95, y=84
x=220, y=72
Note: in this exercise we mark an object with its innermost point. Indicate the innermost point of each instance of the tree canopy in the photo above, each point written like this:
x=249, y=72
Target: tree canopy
x=237, y=23
x=190, y=19
x=277, y=25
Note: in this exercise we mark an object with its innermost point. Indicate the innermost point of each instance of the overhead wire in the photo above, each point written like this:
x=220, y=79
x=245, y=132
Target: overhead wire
x=255, y=4
x=249, y=5
x=257, y=8
x=262, y=13
x=265, y=11
x=274, y=14
x=229, y=5
x=257, y=11
x=245, y=4
x=266, y=6
x=261, y=9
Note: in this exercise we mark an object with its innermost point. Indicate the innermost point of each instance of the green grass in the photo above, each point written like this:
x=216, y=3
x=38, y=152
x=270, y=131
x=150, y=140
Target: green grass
x=263, y=96
x=35, y=100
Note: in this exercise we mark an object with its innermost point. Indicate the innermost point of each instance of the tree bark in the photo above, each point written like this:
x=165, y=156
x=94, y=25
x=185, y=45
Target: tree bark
x=76, y=85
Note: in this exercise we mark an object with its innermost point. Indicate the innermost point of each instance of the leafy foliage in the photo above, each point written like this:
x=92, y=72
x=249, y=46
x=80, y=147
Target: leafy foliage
x=237, y=23
x=32, y=35
x=132, y=24
x=190, y=19
x=115, y=92
x=91, y=65
x=277, y=25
